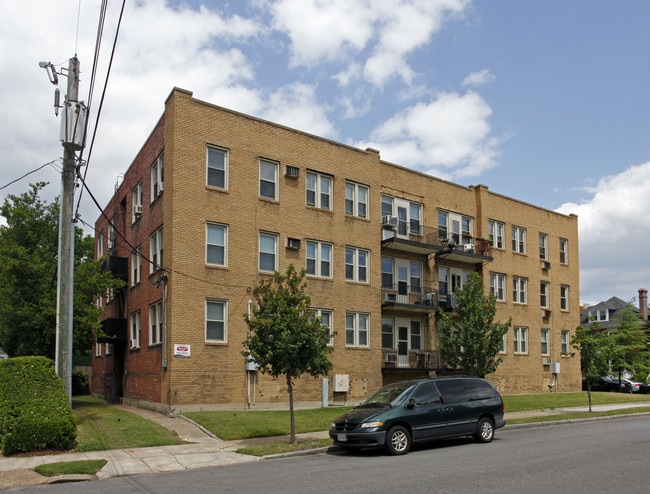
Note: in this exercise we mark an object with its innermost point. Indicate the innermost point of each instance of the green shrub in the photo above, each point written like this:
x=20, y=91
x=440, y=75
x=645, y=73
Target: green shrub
x=35, y=412
x=80, y=383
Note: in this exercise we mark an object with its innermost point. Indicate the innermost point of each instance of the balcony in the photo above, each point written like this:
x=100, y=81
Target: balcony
x=114, y=330
x=117, y=266
x=405, y=298
x=412, y=359
x=417, y=239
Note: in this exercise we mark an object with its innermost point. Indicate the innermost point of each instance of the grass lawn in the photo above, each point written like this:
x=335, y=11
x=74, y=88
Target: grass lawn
x=519, y=403
x=82, y=467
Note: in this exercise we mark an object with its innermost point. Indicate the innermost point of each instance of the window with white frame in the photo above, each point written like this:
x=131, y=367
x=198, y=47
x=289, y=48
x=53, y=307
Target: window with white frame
x=544, y=294
x=599, y=315
x=451, y=279
x=157, y=177
x=136, y=266
x=319, y=259
x=519, y=239
x=326, y=321
x=455, y=227
x=504, y=344
x=269, y=179
x=217, y=167
x=387, y=270
x=387, y=333
x=356, y=264
x=408, y=214
x=496, y=234
x=156, y=251
x=156, y=318
x=98, y=349
x=216, y=329
x=520, y=339
x=356, y=329
x=356, y=199
x=100, y=246
x=519, y=290
x=564, y=297
x=546, y=350
x=136, y=329
x=565, y=342
x=268, y=252
x=498, y=286
x=564, y=251
x=111, y=235
x=319, y=190
x=136, y=203
x=543, y=246
x=216, y=244
x=387, y=205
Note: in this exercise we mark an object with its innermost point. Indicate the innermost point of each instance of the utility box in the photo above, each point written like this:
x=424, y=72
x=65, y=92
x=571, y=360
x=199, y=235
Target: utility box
x=341, y=383
x=556, y=367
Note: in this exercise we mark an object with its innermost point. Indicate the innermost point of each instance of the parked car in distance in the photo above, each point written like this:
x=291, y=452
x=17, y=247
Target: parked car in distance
x=407, y=412
x=609, y=383
x=631, y=386
x=644, y=388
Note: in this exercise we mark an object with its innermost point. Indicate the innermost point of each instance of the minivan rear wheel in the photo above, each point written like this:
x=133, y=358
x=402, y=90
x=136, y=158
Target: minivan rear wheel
x=484, y=430
x=398, y=441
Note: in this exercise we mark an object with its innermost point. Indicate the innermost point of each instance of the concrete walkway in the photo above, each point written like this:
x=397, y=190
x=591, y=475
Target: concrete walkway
x=203, y=450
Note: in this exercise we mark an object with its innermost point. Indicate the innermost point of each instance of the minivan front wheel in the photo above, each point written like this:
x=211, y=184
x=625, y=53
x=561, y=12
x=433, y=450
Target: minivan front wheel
x=398, y=441
x=484, y=430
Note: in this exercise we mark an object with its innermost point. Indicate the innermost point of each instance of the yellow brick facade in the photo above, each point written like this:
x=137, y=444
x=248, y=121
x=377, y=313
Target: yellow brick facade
x=214, y=374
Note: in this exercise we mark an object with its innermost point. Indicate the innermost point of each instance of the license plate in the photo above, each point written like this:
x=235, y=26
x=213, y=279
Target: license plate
x=341, y=438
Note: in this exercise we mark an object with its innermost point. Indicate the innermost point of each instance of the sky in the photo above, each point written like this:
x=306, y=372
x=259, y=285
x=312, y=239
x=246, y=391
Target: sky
x=545, y=102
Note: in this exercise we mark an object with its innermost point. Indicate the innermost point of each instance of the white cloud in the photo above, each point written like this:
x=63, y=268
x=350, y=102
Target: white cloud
x=613, y=228
x=449, y=136
x=479, y=78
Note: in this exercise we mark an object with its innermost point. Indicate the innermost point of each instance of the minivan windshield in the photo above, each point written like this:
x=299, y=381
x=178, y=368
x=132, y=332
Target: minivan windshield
x=388, y=395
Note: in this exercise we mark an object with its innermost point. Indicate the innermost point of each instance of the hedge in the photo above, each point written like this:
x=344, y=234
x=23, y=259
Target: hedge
x=35, y=411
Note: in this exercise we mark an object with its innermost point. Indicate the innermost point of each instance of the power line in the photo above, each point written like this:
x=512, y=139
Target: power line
x=33, y=171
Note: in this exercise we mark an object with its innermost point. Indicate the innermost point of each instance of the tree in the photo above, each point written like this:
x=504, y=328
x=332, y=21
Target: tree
x=28, y=279
x=469, y=340
x=595, y=346
x=286, y=337
x=629, y=348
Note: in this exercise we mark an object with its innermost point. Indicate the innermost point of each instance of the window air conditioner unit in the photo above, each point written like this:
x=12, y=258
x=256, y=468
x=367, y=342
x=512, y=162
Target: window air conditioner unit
x=546, y=265
x=468, y=247
x=137, y=209
x=390, y=297
x=547, y=313
x=134, y=343
x=293, y=243
x=389, y=221
x=291, y=171
x=547, y=361
x=390, y=357
x=429, y=298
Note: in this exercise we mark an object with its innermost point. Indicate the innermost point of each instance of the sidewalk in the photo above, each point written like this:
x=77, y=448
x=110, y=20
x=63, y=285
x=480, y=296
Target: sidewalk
x=205, y=450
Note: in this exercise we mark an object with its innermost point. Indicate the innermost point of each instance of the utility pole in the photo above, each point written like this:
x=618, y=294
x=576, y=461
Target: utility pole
x=73, y=126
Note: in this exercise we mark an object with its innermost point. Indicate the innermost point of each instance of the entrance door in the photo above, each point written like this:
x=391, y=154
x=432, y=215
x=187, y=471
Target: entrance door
x=402, y=267
x=402, y=346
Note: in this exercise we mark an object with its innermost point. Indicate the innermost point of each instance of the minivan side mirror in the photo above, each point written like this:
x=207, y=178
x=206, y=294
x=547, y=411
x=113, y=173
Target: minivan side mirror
x=411, y=403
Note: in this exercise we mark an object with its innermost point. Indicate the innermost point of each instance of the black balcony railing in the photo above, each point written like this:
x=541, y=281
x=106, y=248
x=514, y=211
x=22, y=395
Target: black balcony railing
x=412, y=359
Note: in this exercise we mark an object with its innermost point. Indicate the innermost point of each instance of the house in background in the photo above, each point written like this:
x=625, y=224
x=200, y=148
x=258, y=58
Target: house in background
x=216, y=201
x=606, y=313
x=3, y=354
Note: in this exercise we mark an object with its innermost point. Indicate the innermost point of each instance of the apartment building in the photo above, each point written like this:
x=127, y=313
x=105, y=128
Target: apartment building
x=216, y=200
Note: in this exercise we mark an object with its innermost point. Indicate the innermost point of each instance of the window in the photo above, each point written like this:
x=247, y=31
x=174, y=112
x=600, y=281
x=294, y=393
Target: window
x=100, y=246
x=386, y=205
x=520, y=340
x=319, y=190
x=136, y=201
x=319, y=259
x=544, y=288
x=498, y=286
x=543, y=246
x=387, y=272
x=157, y=177
x=544, y=338
x=455, y=227
x=217, y=162
x=565, y=342
x=564, y=297
x=268, y=180
x=216, y=242
x=356, y=200
x=156, y=323
x=599, y=315
x=136, y=330
x=519, y=290
x=356, y=329
x=564, y=251
x=326, y=320
x=156, y=251
x=356, y=264
x=519, y=239
x=268, y=249
x=98, y=349
x=408, y=214
x=496, y=231
x=215, y=321
x=387, y=333
x=504, y=344
x=136, y=266
x=111, y=236
x=450, y=279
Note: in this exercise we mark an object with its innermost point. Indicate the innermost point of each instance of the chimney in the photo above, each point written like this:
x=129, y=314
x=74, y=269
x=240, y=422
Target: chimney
x=643, y=303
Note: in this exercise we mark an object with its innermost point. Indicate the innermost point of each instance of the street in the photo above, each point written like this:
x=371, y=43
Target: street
x=588, y=457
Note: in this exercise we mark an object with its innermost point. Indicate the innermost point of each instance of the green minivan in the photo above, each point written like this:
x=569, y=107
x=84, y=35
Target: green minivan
x=414, y=411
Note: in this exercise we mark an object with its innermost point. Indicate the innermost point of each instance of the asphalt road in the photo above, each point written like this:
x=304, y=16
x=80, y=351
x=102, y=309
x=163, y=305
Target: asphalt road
x=590, y=457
